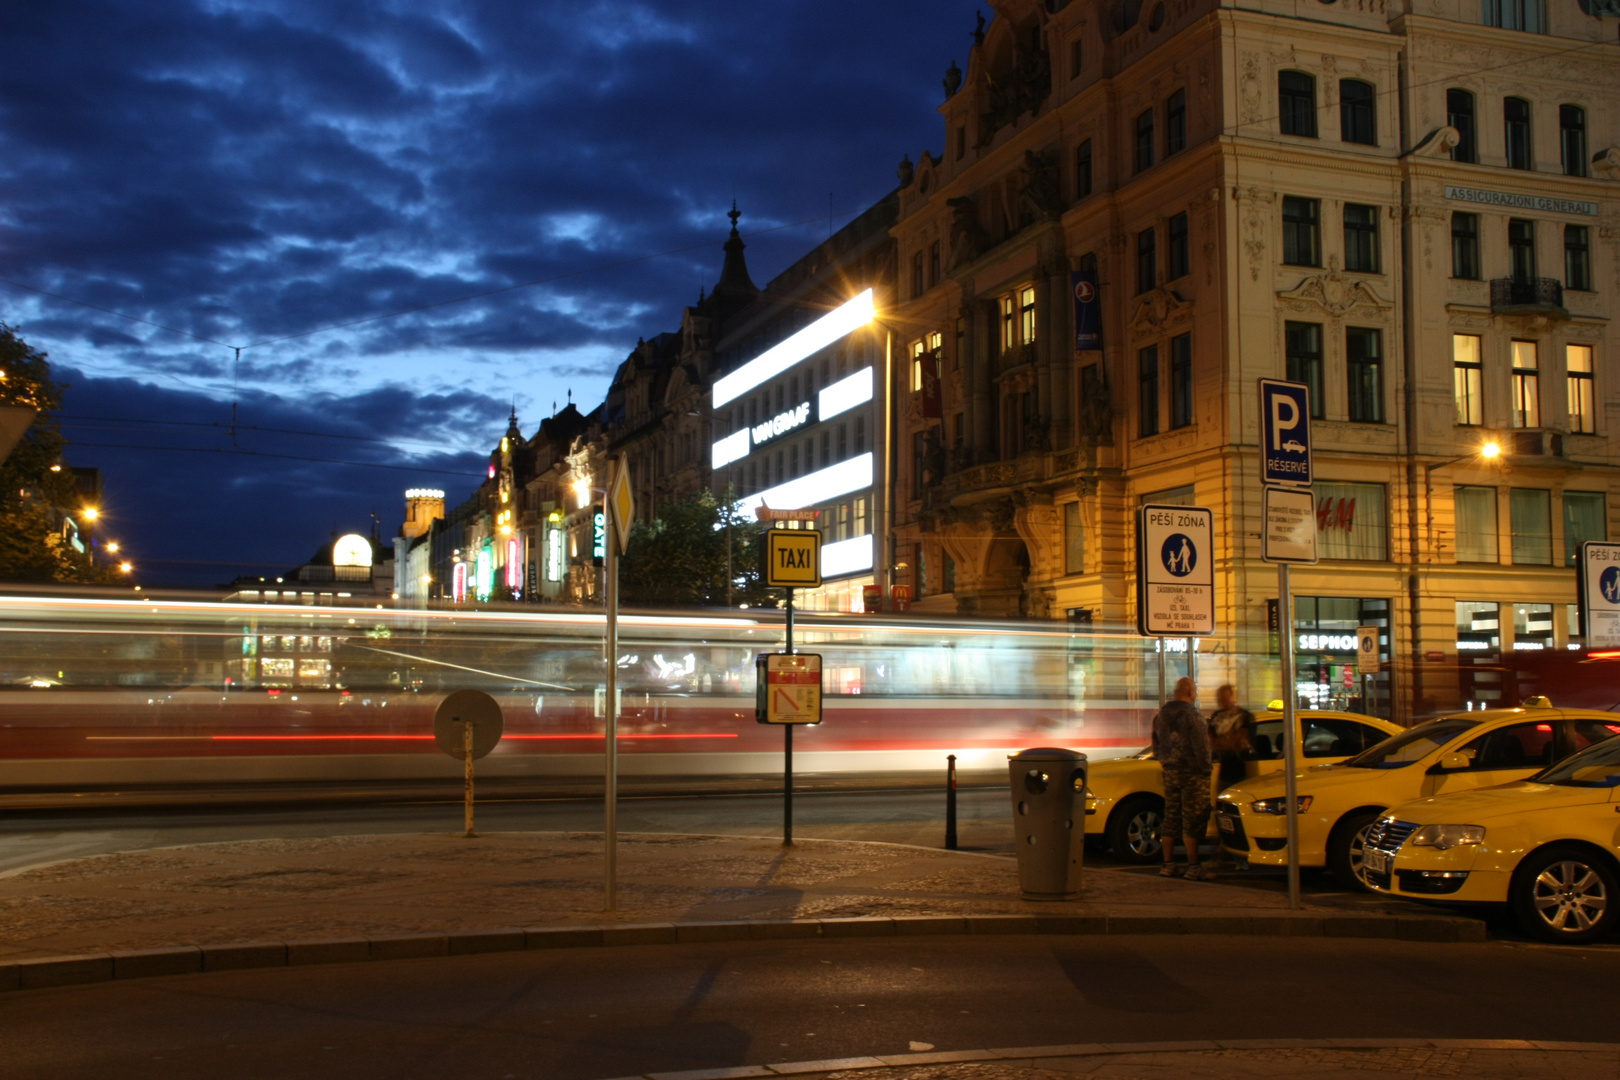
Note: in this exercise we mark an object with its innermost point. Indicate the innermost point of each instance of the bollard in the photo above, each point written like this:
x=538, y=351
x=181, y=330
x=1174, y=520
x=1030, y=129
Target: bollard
x=950, y=803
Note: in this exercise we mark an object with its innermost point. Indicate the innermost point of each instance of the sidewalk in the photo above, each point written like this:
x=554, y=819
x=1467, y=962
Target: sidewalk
x=1242, y=1059
x=366, y=888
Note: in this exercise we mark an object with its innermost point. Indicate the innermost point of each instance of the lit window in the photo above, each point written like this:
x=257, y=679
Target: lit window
x=1468, y=375
x=1578, y=360
x=1526, y=386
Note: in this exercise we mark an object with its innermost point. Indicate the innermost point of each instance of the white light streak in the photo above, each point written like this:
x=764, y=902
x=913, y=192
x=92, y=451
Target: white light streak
x=733, y=447
x=845, y=394
x=819, y=486
x=846, y=556
x=812, y=339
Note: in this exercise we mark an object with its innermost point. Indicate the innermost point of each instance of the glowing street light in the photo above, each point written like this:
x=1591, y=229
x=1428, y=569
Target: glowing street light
x=1491, y=450
x=112, y=547
x=125, y=567
x=91, y=513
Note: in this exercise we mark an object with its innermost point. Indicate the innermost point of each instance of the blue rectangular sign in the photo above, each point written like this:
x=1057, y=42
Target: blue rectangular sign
x=1285, y=433
x=1087, y=310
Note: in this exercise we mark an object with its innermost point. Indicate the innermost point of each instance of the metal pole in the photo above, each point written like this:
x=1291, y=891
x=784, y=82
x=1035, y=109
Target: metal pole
x=1163, y=694
x=1192, y=660
x=787, y=748
x=467, y=779
x=950, y=802
x=610, y=878
x=1285, y=617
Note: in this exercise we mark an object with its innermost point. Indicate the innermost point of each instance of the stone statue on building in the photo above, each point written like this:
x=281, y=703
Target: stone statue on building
x=906, y=171
x=953, y=80
x=1040, y=195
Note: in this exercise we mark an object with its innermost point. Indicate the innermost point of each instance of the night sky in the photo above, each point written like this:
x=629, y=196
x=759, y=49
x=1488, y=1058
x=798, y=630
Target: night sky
x=256, y=173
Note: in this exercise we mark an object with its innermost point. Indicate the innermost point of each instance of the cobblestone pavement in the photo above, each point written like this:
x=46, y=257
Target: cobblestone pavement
x=356, y=885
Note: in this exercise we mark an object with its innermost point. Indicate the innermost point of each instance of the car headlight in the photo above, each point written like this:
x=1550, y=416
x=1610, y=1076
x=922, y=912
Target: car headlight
x=1302, y=803
x=1446, y=837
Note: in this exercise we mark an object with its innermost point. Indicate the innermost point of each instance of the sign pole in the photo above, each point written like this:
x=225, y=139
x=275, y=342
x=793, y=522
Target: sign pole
x=1163, y=694
x=611, y=798
x=1285, y=617
x=467, y=777
x=787, y=748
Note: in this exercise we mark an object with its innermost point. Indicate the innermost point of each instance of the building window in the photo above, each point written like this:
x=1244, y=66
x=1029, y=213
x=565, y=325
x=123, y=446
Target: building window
x=860, y=434
x=1460, y=115
x=1350, y=521
x=1531, y=513
x=1516, y=130
x=1026, y=313
x=1147, y=261
x=917, y=350
x=1303, y=347
x=961, y=141
x=950, y=574
x=1302, y=231
x=1177, y=248
x=1075, y=58
x=1526, y=15
x=956, y=431
x=1572, y=139
x=1175, y=123
x=1361, y=238
x=1468, y=374
x=1144, y=141
x=1296, y=103
x=1009, y=323
x=1364, y=359
x=1181, y=381
x=1577, y=258
x=1522, y=249
x=1582, y=414
x=1147, y=366
x=1358, y=118
x=1074, y=540
x=917, y=274
x=1476, y=524
x=933, y=263
x=1526, y=386
x=1082, y=170
x=1465, y=246
x=1583, y=521
x=919, y=573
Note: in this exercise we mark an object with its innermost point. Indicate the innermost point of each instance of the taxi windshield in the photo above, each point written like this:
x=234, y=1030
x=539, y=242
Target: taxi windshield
x=1401, y=750
x=1595, y=767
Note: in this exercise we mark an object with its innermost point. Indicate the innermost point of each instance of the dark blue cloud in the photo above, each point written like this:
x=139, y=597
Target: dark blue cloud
x=254, y=171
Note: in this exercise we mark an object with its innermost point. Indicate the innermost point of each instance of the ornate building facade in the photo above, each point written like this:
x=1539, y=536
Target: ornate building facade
x=1408, y=207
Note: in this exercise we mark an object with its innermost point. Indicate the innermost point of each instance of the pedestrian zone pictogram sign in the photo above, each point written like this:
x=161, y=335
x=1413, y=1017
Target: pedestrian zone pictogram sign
x=1598, y=578
x=788, y=690
x=1175, y=581
x=792, y=558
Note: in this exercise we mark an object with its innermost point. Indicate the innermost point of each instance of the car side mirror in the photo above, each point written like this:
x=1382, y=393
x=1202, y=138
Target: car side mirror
x=1456, y=761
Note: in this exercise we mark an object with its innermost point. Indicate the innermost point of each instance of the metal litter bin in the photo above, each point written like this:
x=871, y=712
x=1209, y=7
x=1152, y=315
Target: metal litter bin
x=1048, y=785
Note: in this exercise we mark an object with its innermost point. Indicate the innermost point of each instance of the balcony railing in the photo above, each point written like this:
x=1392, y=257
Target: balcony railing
x=1526, y=295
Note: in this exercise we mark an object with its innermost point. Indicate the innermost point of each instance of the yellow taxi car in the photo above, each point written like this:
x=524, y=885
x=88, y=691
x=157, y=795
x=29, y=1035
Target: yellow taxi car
x=1548, y=847
x=1125, y=796
x=1339, y=803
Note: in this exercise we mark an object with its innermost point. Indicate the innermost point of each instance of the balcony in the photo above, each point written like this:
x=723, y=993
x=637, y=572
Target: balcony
x=1527, y=296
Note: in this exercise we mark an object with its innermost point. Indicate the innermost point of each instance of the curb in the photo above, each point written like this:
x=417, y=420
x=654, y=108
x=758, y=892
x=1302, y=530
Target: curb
x=1032, y=1054
x=47, y=971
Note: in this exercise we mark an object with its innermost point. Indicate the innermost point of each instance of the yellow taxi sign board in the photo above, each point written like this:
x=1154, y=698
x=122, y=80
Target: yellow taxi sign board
x=621, y=503
x=788, y=688
x=792, y=558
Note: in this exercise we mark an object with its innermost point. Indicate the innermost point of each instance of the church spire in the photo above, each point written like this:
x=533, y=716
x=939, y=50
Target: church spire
x=734, y=279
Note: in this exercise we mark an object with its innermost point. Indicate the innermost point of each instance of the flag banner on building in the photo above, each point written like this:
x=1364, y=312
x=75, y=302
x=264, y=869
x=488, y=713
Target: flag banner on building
x=933, y=407
x=1087, y=310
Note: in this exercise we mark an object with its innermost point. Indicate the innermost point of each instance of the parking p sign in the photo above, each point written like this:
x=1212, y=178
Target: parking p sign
x=1285, y=433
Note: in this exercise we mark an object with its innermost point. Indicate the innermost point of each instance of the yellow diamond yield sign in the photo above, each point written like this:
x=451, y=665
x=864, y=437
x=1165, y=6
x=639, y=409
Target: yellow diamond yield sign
x=621, y=503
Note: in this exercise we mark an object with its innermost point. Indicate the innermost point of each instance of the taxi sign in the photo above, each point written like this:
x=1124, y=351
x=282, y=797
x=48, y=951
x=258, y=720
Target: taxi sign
x=792, y=558
x=787, y=688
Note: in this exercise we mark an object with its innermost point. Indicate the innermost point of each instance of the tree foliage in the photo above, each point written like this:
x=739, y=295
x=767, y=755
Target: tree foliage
x=679, y=559
x=32, y=497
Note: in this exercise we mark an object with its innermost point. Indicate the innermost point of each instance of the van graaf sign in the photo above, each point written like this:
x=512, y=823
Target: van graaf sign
x=1521, y=202
x=782, y=423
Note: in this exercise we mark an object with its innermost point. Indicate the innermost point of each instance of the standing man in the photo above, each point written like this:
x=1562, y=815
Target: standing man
x=1181, y=746
x=1231, y=732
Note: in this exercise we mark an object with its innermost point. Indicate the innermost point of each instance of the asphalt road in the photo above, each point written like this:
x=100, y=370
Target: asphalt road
x=590, y=1014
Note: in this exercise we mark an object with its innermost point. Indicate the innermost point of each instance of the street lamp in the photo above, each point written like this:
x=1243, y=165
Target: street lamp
x=125, y=567
x=112, y=547
x=91, y=513
x=1488, y=451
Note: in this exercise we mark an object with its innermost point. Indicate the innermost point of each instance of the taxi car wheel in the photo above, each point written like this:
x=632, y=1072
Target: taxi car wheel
x=1133, y=831
x=1345, y=848
x=1564, y=894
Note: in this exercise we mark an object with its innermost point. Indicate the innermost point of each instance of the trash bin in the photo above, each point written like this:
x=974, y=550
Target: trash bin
x=1048, y=785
